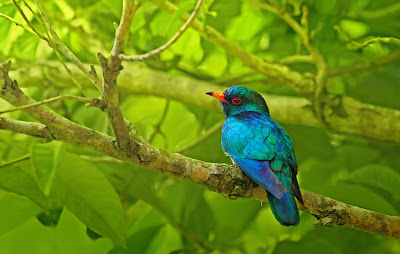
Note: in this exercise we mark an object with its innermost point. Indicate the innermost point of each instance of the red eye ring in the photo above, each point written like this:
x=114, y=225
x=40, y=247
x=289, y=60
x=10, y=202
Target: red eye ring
x=236, y=101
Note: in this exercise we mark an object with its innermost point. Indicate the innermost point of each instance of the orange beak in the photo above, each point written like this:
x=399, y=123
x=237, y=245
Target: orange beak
x=219, y=96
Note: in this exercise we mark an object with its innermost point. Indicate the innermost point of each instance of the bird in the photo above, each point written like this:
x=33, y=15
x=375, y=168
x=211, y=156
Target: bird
x=261, y=148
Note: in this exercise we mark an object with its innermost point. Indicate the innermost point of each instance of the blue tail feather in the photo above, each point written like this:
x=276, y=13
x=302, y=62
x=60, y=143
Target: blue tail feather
x=284, y=209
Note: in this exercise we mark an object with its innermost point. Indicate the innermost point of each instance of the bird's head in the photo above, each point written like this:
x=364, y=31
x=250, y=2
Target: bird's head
x=239, y=99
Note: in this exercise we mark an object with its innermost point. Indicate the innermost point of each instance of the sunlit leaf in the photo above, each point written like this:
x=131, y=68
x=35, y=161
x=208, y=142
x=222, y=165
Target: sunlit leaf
x=19, y=181
x=85, y=191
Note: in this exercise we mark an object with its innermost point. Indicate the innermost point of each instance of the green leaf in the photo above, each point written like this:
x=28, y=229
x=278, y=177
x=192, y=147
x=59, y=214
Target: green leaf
x=231, y=225
x=19, y=181
x=226, y=10
x=14, y=211
x=378, y=176
x=85, y=191
x=197, y=213
x=309, y=246
x=69, y=237
x=45, y=159
x=139, y=242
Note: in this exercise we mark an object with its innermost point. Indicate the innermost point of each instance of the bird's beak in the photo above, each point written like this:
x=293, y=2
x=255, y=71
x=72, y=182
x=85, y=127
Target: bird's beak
x=219, y=96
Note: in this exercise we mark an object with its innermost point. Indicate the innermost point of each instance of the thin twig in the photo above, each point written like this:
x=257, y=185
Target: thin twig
x=296, y=59
x=7, y=4
x=157, y=126
x=367, y=42
x=49, y=41
x=41, y=36
x=27, y=28
x=174, y=38
x=91, y=101
x=68, y=53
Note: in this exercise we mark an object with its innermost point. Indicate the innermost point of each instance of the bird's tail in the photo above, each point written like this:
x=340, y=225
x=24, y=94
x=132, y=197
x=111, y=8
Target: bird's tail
x=284, y=209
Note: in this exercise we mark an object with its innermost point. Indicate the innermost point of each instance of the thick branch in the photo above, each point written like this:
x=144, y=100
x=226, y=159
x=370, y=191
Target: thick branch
x=339, y=213
x=227, y=180
x=59, y=127
x=32, y=129
x=111, y=68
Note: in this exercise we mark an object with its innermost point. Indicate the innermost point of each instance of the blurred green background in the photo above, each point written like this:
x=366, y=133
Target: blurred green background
x=159, y=214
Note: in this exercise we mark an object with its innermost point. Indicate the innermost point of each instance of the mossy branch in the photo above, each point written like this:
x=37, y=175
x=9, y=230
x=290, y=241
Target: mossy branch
x=111, y=67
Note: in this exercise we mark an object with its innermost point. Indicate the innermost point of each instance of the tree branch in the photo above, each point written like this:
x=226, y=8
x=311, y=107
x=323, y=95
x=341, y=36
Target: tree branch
x=91, y=101
x=174, y=38
x=296, y=59
x=59, y=127
x=27, y=28
x=111, y=68
x=367, y=42
x=157, y=126
x=227, y=180
x=58, y=44
x=32, y=129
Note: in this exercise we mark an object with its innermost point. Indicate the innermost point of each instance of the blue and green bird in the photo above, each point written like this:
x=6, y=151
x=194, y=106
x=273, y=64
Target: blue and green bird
x=261, y=148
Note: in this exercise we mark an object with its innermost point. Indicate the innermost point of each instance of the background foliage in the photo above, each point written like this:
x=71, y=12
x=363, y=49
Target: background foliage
x=56, y=201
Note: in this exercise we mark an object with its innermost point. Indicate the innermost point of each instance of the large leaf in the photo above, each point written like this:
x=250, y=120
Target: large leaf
x=379, y=176
x=225, y=11
x=139, y=242
x=45, y=158
x=69, y=237
x=85, y=191
x=14, y=211
x=232, y=217
x=16, y=180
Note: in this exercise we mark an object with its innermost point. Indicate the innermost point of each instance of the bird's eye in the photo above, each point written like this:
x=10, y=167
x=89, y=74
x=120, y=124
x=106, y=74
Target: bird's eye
x=236, y=101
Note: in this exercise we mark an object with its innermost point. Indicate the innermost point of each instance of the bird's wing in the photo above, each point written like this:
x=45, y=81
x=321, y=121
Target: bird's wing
x=284, y=161
x=250, y=144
